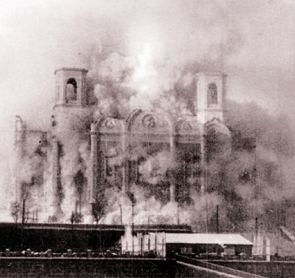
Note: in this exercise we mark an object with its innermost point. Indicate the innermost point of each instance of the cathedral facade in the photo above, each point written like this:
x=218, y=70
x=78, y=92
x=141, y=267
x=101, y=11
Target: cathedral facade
x=164, y=154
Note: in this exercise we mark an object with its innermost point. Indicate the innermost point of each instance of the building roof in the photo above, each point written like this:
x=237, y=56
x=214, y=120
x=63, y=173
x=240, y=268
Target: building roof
x=199, y=238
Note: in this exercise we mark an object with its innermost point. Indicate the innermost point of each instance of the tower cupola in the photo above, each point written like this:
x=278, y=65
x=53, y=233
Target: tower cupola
x=211, y=91
x=71, y=87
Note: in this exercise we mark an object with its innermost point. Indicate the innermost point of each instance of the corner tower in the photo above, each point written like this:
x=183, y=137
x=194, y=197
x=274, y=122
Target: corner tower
x=71, y=87
x=70, y=121
x=211, y=92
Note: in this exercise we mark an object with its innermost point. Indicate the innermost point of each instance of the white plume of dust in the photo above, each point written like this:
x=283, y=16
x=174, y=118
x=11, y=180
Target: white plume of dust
x=158, y=57
x=71, y=131
x=148, y=61
x=249, y=181
x=149, y=210
x=254, y=180
x=154, y=168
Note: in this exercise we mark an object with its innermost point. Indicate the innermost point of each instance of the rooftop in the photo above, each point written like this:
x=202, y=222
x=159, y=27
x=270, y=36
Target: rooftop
x=199, y=238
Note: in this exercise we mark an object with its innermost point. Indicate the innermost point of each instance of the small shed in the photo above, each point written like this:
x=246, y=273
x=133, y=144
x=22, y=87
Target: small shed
x=198, y=243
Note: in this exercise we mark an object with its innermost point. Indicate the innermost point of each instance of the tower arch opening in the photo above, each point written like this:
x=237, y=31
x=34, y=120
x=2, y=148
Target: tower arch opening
x=212, y=94
x=71, y=90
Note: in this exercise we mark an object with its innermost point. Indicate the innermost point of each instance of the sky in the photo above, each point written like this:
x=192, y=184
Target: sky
x=38, y=36
x=252, y=41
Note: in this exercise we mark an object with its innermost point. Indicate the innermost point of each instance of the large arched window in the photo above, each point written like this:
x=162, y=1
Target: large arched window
x=212, y=94
x=71, y=90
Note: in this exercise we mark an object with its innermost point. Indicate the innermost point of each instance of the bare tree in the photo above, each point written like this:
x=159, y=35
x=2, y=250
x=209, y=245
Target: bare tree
x=15, y=211
x=76, y=217
x=98, y=210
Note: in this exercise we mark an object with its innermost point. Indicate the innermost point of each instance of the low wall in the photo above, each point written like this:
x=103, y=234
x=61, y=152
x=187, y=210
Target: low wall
x=136, y=267
x=217, y=267
x=83, y=267
x=273, y=269
x=184, y=270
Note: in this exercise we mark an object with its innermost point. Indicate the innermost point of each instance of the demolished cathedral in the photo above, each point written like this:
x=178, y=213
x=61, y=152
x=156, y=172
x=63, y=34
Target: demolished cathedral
x=69, y=167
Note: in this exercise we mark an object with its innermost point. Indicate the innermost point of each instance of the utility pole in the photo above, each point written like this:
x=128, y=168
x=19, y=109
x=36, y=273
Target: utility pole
x=121, y=214
x=24, y=212
x=132, y=226
x=217, y=219
x=178, y=220
x=37, y=215
x=256, y=226
x=23, y=222
x=133, y=202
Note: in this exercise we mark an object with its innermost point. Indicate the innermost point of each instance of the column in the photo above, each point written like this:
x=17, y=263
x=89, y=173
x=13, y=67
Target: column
x=93, y=164
x=124, y=142
x=203, y=179
x=19, y=140
x=56, y=179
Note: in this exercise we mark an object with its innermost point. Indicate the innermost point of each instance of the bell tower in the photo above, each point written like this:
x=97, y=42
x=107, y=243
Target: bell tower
x=71, y=107
x=71, y=87
x=211, y=92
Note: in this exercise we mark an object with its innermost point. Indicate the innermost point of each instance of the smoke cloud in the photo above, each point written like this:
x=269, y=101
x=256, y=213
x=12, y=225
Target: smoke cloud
x=148, y=60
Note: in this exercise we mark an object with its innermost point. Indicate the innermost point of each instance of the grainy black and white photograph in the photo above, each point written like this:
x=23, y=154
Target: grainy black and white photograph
x=147, y=138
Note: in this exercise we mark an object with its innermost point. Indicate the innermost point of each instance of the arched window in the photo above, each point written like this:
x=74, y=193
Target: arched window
x=212, y=94
x=71, y=90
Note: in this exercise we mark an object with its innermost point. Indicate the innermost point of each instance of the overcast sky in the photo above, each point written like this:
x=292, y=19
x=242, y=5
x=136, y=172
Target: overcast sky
x=253, y=41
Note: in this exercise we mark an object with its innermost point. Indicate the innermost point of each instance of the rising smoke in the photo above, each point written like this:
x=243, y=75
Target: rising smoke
x=149, y=61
